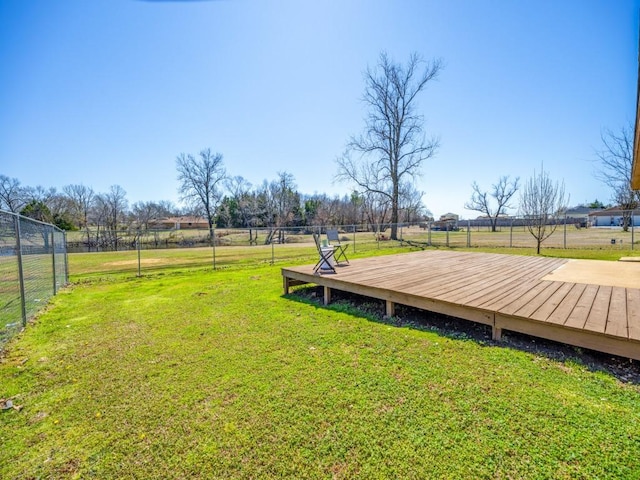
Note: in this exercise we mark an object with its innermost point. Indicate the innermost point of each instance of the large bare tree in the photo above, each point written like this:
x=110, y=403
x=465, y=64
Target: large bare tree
x=393, y=146
x=542, y=202
x=501, y=193
x=616, y=163
x=13, y=196
x=201, y=179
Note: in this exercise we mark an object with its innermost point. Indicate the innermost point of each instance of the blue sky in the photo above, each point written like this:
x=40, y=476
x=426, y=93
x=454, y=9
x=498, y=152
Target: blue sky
x=107, y=92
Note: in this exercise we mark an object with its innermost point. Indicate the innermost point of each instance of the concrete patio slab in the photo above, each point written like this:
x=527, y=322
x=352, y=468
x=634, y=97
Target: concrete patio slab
x=598, y=272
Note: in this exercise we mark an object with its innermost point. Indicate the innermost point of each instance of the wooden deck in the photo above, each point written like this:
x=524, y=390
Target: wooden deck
x=504, y=291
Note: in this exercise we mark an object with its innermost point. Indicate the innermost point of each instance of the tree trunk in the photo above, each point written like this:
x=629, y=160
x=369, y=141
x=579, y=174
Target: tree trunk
x=394, y=209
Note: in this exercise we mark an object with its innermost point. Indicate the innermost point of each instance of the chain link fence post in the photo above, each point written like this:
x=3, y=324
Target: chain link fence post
x=354, y=239
x=213, y=244
x=66, y=257
x=23, y=304
x=511, y=234
x=53, y=261
x=138, y=249
x=273, y=253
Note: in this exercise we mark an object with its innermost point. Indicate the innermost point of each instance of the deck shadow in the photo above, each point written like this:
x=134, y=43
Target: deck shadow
x=623, y=369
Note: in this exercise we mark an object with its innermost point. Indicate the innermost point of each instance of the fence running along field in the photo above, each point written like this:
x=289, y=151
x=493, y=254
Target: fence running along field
x=155, y=250
x=513, y=233
x=33, y=266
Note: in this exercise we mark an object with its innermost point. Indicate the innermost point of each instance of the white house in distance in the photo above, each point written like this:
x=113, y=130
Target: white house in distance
x=612, y=217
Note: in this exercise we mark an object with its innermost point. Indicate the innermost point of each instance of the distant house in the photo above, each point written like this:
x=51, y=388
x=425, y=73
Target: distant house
x=611, y=217
x=448, y=221
x=180, y=223
x=450, y=217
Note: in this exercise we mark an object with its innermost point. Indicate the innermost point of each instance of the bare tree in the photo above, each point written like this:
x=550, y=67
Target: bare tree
x=111, y=208
x=240, y=191
x=144, y=212
x=376, y=210
x=13, y=196
x=393, y=147
x=285, y=202
x=40, y=194
x=616, y=164
x=501, y=193
x=541, y=204
x=245, y=202
x=411, y=206
x=81, y=201
x=201, y=180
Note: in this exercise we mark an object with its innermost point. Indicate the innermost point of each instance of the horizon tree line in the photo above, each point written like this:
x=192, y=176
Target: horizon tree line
x=235, y=203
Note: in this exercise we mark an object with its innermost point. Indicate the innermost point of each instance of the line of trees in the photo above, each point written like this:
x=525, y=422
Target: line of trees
x=208, y=193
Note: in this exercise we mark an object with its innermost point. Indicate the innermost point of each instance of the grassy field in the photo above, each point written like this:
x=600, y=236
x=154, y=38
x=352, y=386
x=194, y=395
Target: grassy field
x=187, y=372
x=519, y=237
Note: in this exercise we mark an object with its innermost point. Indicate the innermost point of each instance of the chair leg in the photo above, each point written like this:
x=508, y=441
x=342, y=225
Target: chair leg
x=340, y=253
x=324, y=259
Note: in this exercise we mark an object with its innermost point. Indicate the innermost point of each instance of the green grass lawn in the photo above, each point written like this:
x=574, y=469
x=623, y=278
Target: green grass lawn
x=188, y=372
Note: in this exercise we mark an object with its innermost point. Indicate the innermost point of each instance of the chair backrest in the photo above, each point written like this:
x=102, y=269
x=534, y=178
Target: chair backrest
x=316, y=238
x=333, y=237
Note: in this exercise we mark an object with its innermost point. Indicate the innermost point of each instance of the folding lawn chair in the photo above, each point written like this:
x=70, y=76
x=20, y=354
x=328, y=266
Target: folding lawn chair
x=334, y=239
x=326, y=258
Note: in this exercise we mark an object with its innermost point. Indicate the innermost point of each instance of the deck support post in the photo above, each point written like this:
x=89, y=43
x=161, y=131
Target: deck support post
x=327, y=295
x=391, y=308
x=496, y=333
x=285, y=285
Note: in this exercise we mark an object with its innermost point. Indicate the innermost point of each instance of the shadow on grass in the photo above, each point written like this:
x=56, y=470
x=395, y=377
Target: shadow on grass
x=372, y=309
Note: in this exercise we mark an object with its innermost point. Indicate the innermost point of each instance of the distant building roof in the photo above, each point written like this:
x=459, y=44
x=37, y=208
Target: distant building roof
x=612, y=211
x=579, y=210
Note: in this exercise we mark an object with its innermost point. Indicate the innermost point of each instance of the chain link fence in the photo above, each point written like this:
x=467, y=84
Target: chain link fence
x=613, y=228
x=33, y=266
x=138, y=251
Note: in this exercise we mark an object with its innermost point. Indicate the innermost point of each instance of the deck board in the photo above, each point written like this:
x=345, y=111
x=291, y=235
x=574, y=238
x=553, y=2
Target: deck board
x=617, y=315
x=508, y=292
x=597, y=320
x=633, y=313
x=549, y=306
x=580, y=313
x=568, y=304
